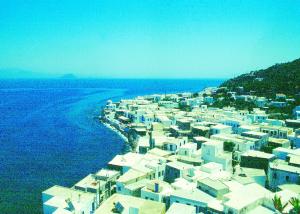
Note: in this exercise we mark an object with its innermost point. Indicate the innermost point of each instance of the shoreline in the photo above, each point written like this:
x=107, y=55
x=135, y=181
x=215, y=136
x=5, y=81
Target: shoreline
x=108, y=125
x=161, y=137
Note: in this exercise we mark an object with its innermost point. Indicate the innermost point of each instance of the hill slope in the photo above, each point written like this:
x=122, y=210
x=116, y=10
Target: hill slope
x=279, y=78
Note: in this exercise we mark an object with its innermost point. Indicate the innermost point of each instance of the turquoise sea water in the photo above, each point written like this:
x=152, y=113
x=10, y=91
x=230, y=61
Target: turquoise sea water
x=49, y=132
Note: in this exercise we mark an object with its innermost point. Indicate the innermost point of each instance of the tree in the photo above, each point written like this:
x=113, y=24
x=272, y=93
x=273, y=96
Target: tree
x=228, y=146
x=244, y=105
x=295, y=202
x=278, y=204
x=267, y=149
x=196, y=94
x=280, y=78
x=184, y=107
x=234, y=161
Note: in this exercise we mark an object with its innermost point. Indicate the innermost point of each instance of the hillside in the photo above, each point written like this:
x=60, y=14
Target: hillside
x=279, y=78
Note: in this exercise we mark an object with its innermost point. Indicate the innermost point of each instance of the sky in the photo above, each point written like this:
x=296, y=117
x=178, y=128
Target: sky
x=148, y=38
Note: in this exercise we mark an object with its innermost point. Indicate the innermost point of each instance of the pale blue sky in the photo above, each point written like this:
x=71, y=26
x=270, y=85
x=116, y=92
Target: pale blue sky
x=148, y=38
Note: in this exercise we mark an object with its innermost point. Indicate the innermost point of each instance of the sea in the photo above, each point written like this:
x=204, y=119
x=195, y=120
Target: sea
x=50, y=134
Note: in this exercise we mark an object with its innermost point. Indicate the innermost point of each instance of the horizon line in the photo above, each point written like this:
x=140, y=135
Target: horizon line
x=117, y=78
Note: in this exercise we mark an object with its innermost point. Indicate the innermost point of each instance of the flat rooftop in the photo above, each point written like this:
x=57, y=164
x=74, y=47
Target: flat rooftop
x=179, y=165
x=144, y=206
x=65, y=192
x=202, y=128
x=137, y=185
x=215, y=184
x=61, y=194
x=221, y=126
x=194, y=195
x=291, y=187
x=127, y=159
x=258, y=154
x=281, y=128
x=254, y=133
x=278, y=140
x=200, y=138
x=89, y=182
x=131, y=175
x=228, y=137
x=177, y=208
x=283, y=166
x=288, y=151
x=253, y=192
x=261, y=210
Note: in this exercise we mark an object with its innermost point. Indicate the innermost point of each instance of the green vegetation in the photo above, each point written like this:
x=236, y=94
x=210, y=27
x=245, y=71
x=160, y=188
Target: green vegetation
x=244, y=105
x=195, y=94
x=280, y=78
x=267, y=149
x=227, y=101
x=228, y=146
x=184, y=107
x=278, y=204
x=235, y=161
x=284, y=112
x=224, y=102
x=295, y=202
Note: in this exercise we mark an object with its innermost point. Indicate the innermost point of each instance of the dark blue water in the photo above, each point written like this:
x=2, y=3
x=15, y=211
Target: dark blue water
x=49, y=133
